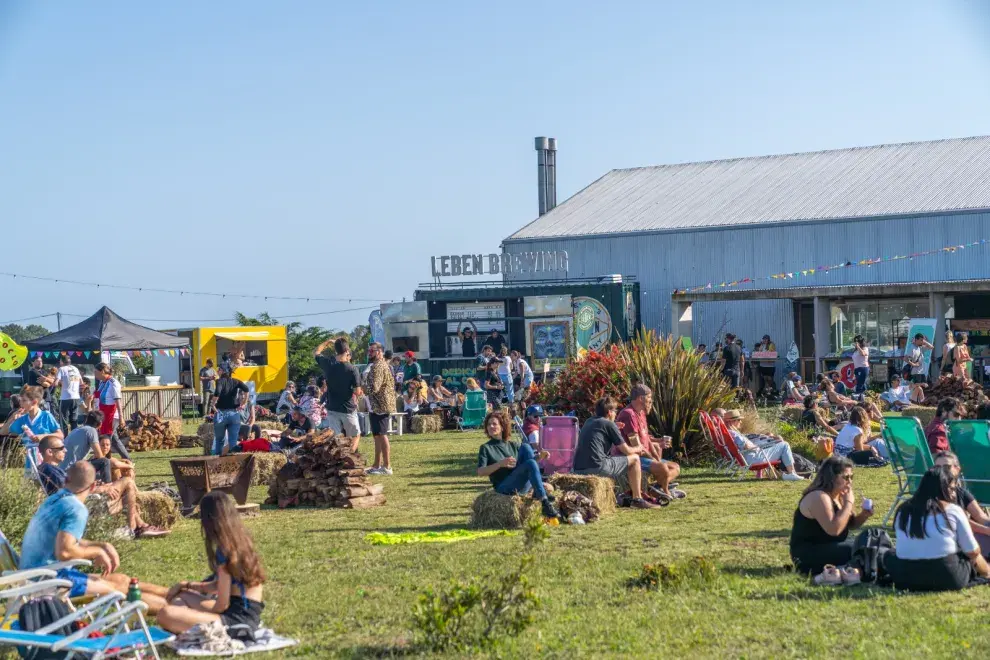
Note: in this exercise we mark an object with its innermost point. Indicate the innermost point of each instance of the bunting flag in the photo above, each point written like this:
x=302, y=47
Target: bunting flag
x=807, y=272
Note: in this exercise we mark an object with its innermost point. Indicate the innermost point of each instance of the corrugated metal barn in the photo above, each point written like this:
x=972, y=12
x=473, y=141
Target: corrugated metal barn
x=684, y=226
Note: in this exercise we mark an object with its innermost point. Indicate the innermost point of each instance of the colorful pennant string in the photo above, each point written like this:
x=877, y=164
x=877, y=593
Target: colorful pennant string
x=806, y=272
x=162, y=352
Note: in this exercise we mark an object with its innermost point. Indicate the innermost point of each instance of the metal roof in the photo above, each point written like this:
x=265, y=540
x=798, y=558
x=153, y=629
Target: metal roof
x=915, y=178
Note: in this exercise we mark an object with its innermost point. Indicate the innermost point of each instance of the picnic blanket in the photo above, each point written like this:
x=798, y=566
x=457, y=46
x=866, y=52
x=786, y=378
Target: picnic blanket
x=452, y=536
x=210, y=640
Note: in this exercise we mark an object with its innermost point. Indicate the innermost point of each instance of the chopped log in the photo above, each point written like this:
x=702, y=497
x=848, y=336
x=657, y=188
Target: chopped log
x=364, y=502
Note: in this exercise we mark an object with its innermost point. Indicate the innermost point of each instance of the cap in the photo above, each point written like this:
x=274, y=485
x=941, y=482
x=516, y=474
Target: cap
x=410, y=354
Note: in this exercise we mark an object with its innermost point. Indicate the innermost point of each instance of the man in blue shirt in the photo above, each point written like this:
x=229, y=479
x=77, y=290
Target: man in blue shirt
x=55, y=534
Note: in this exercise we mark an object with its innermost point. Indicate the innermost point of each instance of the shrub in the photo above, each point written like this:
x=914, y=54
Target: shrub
x=579, y=385
x=681, y=386
x=480, y=613
x=19, y=499
x=799, y=439
x=697, y=572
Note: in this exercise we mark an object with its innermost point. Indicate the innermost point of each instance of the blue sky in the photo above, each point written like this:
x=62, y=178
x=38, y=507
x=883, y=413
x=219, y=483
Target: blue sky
x=327, y=149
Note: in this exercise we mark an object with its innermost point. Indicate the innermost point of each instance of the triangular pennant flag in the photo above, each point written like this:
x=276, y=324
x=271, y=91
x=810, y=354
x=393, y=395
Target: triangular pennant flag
x=78, y=353
x=87, y=354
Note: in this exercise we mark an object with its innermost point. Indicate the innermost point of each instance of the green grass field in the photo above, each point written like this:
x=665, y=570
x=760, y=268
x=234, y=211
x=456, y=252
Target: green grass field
x=343, y=597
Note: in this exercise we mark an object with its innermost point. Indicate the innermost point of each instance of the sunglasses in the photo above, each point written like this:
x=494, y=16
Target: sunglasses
x=58, y=449
x=847, y=477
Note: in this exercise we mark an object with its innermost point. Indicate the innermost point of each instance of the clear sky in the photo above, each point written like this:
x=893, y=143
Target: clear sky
x=327, y=149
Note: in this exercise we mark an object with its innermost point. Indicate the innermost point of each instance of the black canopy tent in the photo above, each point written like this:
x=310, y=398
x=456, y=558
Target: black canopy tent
x=105, y=331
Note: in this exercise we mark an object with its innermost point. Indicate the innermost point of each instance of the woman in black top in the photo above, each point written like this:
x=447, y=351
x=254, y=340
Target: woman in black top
x=493, y=385
x=226, y=406
x=468, y=346
x=824, y=517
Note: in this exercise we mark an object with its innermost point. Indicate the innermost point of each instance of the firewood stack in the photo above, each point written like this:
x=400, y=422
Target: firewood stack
x=324, y=473
x=969, y=393
x=147, y=432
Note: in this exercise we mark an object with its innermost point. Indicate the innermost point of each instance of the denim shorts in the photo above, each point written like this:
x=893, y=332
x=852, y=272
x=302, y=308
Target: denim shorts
x=645, y=463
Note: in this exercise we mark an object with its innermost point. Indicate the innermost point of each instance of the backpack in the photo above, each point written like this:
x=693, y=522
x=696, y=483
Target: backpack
x=869, y=550
x=35, y=615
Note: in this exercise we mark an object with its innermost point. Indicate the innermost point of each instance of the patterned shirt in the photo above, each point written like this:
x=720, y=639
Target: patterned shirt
x=380, y=386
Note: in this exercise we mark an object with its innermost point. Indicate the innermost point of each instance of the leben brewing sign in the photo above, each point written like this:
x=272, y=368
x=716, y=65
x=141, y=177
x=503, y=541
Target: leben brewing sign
x=520, y=263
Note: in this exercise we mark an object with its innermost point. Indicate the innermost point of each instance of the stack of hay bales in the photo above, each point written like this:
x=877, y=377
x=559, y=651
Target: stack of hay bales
x=493, y=511
x=426, y=424
x=147, y=432
x=324, y=473
x=158, y=509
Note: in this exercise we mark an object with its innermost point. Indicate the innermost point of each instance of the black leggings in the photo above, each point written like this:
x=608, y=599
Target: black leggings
x=810, y=558
x=946, y=574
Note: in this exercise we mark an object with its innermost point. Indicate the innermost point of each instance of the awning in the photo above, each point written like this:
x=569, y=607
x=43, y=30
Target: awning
x=248, y=335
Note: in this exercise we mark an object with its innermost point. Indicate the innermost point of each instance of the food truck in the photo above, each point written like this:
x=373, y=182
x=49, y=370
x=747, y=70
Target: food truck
x=264, y=353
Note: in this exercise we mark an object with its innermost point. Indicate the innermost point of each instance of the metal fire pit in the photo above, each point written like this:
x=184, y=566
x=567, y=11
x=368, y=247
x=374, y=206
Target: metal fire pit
x=198, y=475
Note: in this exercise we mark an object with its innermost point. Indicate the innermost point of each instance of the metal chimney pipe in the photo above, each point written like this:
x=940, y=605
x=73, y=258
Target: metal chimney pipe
x=551, y=173
x=541, y=173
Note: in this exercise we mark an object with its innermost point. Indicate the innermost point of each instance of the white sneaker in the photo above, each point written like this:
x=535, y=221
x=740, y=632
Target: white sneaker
x=373, y=470
x=386, y=471
x=790, y=476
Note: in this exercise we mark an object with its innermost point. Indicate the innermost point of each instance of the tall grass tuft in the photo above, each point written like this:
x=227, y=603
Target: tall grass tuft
x=19, y=498
x=681, y=386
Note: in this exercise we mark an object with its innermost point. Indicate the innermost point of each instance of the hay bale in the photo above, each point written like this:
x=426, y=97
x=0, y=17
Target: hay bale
x=493, y=511
x=266, y=466
x=271, y=425
x=426, y=424
x=158, y=509
x=925, y=414
x=599, y=490
x=792, y=414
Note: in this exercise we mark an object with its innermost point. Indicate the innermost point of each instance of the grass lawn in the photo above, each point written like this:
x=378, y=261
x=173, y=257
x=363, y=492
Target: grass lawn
x=343, y=597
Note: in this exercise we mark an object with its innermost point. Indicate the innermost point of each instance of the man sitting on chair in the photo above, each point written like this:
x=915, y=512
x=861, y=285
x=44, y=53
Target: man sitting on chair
x=632, y=424
x=753, y=453
x=55, y=534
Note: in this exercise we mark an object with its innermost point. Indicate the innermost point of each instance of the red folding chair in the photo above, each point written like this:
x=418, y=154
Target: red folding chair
x=724, y=464
x=759, y=465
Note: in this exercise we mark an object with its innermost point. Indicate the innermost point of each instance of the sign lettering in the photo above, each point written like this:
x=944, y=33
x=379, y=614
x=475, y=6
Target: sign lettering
x=516, y=263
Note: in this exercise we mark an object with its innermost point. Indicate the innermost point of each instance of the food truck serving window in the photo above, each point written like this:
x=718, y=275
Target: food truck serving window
x=254, y=344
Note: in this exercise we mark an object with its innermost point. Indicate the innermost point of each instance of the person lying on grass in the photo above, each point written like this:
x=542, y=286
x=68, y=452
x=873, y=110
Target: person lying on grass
x=824, y=517
x=813, y=418
x=598, y=436
x=935, y=546
x=901, y=394
x=855, y=441
x=774, y=450
x=511, y=466
x=633, y=427
x=55, y=534
x=979, y=521
x=233, y=594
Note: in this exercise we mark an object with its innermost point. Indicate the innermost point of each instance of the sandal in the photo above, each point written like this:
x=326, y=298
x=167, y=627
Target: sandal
x=830, y=576
x=850, y=575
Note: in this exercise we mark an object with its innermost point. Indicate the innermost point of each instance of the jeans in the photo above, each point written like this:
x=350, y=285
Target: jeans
x=226, y=426
x=861, y=373
x=778, y=451
x=116, y=444
x=69, y=411
x=524, y=476
x=731, y=375
x=507, y=383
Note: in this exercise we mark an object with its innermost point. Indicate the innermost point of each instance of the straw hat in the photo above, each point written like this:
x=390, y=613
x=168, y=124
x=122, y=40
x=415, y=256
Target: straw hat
x=731, y=415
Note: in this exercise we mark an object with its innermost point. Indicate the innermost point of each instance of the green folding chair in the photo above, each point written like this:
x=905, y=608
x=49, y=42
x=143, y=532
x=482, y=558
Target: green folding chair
x=970, y=440
x=475, y=409
x=909, y=456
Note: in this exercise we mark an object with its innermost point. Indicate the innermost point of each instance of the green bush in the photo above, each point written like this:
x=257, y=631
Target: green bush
x=482, y=612
x=799, y=439
x=681, y=386
x=695, y=573
x=19, y=499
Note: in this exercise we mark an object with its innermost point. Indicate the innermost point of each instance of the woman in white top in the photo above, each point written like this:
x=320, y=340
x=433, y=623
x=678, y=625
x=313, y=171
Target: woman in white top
x=947, y=352
x=936, y=549
x=287, y=401
x=505, y=373
x=861, y=362
x=854, y=440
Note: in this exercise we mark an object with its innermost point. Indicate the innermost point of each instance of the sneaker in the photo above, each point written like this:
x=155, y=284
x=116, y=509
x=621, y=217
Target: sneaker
x=662, y=498
x=640, y=503
x=850, y=575
x=549, y=510
x=830, y=576
x=385, y=471
x=373, y=470
x=790, y=476
x=150, y=532
x=677, y=493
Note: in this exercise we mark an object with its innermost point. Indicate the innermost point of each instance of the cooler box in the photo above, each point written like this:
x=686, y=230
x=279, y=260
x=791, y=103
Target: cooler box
x=559, y=436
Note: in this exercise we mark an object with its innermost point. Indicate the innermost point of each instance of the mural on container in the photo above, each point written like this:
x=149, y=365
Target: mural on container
x=592, y=324
x=549, y=339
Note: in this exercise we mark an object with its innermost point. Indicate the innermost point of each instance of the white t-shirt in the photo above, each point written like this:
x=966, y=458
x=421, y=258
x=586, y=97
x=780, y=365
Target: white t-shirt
x=954, y=536
x=859, y=360
x=900, y=394
x=505, y=366
x=847, y=436
x=917, y=356
x=70, y=378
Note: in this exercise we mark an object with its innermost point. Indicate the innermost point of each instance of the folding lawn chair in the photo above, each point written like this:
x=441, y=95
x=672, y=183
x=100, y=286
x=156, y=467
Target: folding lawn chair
x=114, y=627
x=10, y=561
x=517, y=424
x=559, y=438
x=743, y=465
x=970, y=440
x=724, y=463
x=909, y=456
x=474, y=411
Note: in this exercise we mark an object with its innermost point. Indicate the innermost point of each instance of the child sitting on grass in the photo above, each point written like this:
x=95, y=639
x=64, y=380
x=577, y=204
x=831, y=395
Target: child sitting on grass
x=511, y=466
x=232, y=595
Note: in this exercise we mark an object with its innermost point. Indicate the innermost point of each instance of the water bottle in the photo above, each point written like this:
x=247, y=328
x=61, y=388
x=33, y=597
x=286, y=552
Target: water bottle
x=575, y=518
x=133, y=591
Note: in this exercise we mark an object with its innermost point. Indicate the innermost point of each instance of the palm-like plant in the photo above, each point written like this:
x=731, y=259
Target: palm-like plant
x=681, y=386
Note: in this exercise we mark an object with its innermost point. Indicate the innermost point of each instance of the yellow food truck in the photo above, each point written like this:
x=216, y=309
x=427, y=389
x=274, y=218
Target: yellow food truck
x=265, y=357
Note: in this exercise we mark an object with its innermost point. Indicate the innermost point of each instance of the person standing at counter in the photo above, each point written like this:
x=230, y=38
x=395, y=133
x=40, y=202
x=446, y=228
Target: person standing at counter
x=768, y=369
x=731, y=360
x=107, y=399
x=496, y=341
x=861, y=362
x=468, y=345
x=208, y=376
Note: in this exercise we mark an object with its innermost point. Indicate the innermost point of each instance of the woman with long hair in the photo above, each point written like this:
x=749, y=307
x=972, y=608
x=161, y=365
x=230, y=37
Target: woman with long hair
x=935, y=549
x=824, y=517
x=948, y=353
x=861, y=362
x=494, y=388
x=961, y=359
x=854, y=440
x=833, y=397
x=233, y=594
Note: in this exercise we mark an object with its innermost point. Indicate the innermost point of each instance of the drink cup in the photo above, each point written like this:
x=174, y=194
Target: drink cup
x=868, y=504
